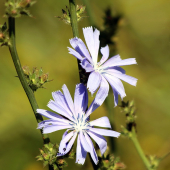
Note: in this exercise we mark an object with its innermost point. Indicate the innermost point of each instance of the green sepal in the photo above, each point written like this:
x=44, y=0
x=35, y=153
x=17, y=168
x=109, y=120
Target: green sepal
x=66, y=14
x=4, y=37
x=18, y=7
x=35, y=78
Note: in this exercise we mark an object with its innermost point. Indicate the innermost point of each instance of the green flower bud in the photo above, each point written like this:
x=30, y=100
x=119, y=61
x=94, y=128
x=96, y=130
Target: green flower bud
x=4, y=38
x=66, y=14
x=35, y=78
x=17, y=8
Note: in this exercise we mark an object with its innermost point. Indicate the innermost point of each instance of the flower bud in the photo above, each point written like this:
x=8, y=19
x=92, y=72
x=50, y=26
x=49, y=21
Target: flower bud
x=66, y=14
x=35, y=78
x=17, y=8
x=4, y=38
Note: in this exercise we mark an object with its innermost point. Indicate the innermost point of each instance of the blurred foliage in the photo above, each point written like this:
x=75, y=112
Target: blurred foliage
x=42, y=42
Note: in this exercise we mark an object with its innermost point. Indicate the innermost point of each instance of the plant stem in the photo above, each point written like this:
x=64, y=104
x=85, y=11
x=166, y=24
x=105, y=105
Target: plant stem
x=73, y=17
x=139, y=149
x=74, y=25
x=110, y=112
x=19, y=70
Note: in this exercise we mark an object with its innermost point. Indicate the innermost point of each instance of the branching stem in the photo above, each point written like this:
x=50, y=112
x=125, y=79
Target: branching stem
x=139, y=149
x=17, y=64
x=19, y=70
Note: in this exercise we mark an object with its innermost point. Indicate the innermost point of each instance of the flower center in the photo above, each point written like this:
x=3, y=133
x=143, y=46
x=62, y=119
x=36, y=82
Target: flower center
x=80, y=124
x=97, y=68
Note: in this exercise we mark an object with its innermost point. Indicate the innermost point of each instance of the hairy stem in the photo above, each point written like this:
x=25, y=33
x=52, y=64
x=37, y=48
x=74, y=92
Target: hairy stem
x=139, y=149
x=17, y=64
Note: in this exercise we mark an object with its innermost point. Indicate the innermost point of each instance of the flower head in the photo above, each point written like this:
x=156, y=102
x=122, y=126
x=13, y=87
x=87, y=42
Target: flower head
x=103, y=72
x=75, y=118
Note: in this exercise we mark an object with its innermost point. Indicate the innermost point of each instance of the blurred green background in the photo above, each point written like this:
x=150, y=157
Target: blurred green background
x=42, y=41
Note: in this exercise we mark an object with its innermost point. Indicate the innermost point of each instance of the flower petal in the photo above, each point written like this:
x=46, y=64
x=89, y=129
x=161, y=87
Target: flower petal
x=101, y=122
x=69, y=146
x=94, y=81
x=60, y=99
x=115, y=96
x=64, y=134
x=100, y=140
x=111, y=61
x=92, y=150
x=87, y=66
x=116, y=84
x=118, y=62
x=92, y=41
x=49, y=114
x=92, y=108
x=63, y=142
x=80, y=152
x=68, y=98
x=118, y=69
x=80, y=99
x=124, y=77
x=53, y=128
x=57, y=108
x=105, y=132
x=75, y=53
x=84, y=143
x=102, y=92
x=105, y=53
x=52, y=122
x=80, y=47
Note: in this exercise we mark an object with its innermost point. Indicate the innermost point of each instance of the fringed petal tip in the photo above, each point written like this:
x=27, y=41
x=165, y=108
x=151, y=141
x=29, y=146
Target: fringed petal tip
x=99, y=101
x=91, y=91
x=73, y=39
x=60, y=154
x=80, y=162
x=86, y=28
x=118, y=134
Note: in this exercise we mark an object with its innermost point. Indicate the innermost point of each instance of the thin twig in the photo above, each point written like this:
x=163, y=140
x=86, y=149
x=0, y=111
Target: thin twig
x=139, y=149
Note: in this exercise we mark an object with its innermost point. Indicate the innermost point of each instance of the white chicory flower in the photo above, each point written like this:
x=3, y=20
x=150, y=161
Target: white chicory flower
x=103, y=72
x=75, y=118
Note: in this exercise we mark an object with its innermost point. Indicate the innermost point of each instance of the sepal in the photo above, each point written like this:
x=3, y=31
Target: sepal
x=35, y=78
x=4, y=38
x=110, y=162
x=18, y=7
x=130, y=111
x=66, y=14
x=48, y=154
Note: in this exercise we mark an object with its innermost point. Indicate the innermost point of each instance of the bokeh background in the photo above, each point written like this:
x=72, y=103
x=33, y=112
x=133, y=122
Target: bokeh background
x=42, y=41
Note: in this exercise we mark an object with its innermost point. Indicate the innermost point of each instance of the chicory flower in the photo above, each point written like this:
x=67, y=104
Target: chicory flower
x=75, y=118
x=102, y=73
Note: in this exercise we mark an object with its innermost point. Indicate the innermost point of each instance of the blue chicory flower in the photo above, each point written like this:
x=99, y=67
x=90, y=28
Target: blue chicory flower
x=103, y=72
x=75, y=118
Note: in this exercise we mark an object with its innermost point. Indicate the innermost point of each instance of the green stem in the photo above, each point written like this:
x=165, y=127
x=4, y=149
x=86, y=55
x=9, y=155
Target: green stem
x=110, y=112
x=139, y=149
x=74, y=25
x=17, y=64
x=89, y=12
x=73, y=17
